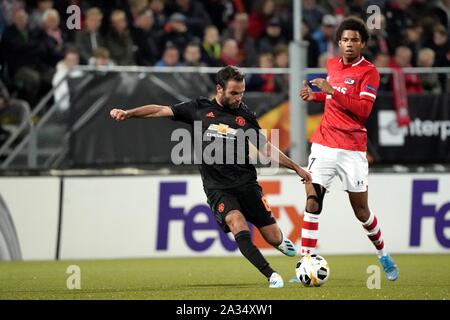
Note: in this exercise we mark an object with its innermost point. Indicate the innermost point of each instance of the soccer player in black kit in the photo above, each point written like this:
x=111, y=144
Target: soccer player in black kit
x=232, y=190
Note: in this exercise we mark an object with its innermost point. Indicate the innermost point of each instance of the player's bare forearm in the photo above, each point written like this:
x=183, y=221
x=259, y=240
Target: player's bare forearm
x=277, y=155
x=147, y=111
x=286, y=162
x=150, y=111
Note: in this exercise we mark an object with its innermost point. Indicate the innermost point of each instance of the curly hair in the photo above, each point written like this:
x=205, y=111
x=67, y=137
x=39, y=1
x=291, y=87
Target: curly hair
x=354, y=24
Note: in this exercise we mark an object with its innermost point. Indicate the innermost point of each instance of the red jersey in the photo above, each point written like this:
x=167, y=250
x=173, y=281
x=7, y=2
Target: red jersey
x=346, y=111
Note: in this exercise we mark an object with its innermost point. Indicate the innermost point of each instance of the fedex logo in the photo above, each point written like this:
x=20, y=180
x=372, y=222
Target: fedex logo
x=421, y=211
x=167, y=214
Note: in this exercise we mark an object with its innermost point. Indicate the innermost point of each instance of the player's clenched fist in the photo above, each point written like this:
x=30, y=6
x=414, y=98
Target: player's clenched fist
x=118, y=114
x=306, y=93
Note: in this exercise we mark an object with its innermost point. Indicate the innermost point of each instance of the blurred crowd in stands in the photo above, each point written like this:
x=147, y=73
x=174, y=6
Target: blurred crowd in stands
x=37, y=48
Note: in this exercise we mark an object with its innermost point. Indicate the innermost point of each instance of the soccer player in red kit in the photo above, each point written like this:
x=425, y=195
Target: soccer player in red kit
x=339, y=143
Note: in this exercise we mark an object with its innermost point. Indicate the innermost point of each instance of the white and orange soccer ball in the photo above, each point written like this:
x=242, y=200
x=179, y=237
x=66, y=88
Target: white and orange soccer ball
x=312, y=270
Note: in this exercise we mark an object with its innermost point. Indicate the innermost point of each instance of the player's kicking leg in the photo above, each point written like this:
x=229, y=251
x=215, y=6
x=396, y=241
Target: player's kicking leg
x=228, y=213
x=237, y=223
x=275, y=237
x=370, y=223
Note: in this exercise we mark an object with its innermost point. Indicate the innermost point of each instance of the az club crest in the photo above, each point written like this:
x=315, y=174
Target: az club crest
x=349, y=81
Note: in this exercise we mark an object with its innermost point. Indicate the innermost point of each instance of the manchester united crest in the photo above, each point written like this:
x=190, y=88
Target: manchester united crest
x=240, y=121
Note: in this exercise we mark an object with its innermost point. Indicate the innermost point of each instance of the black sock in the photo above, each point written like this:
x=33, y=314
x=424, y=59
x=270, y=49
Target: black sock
x=251, y=252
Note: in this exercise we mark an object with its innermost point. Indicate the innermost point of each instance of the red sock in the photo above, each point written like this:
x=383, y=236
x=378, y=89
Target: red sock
x=310, y=233
x=374, y=233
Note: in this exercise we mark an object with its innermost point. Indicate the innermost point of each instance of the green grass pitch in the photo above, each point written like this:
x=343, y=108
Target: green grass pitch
x=421, y=277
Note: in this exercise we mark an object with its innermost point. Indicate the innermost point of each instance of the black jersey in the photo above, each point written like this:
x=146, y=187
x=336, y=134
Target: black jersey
x=230, y=128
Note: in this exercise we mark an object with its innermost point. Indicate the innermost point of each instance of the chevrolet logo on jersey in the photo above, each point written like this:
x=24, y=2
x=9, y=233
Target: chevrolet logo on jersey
x=222, y=131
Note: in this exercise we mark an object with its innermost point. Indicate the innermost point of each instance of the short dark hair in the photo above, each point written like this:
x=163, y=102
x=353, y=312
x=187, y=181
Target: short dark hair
x=228, y=73
x=354, y=24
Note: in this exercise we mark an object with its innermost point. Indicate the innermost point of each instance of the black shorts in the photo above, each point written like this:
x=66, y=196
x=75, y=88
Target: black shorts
x=248, y=199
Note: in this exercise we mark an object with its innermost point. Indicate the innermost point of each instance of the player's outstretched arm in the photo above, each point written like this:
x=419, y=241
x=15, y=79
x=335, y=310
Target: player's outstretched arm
x=276, y=154
x=148, y=111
